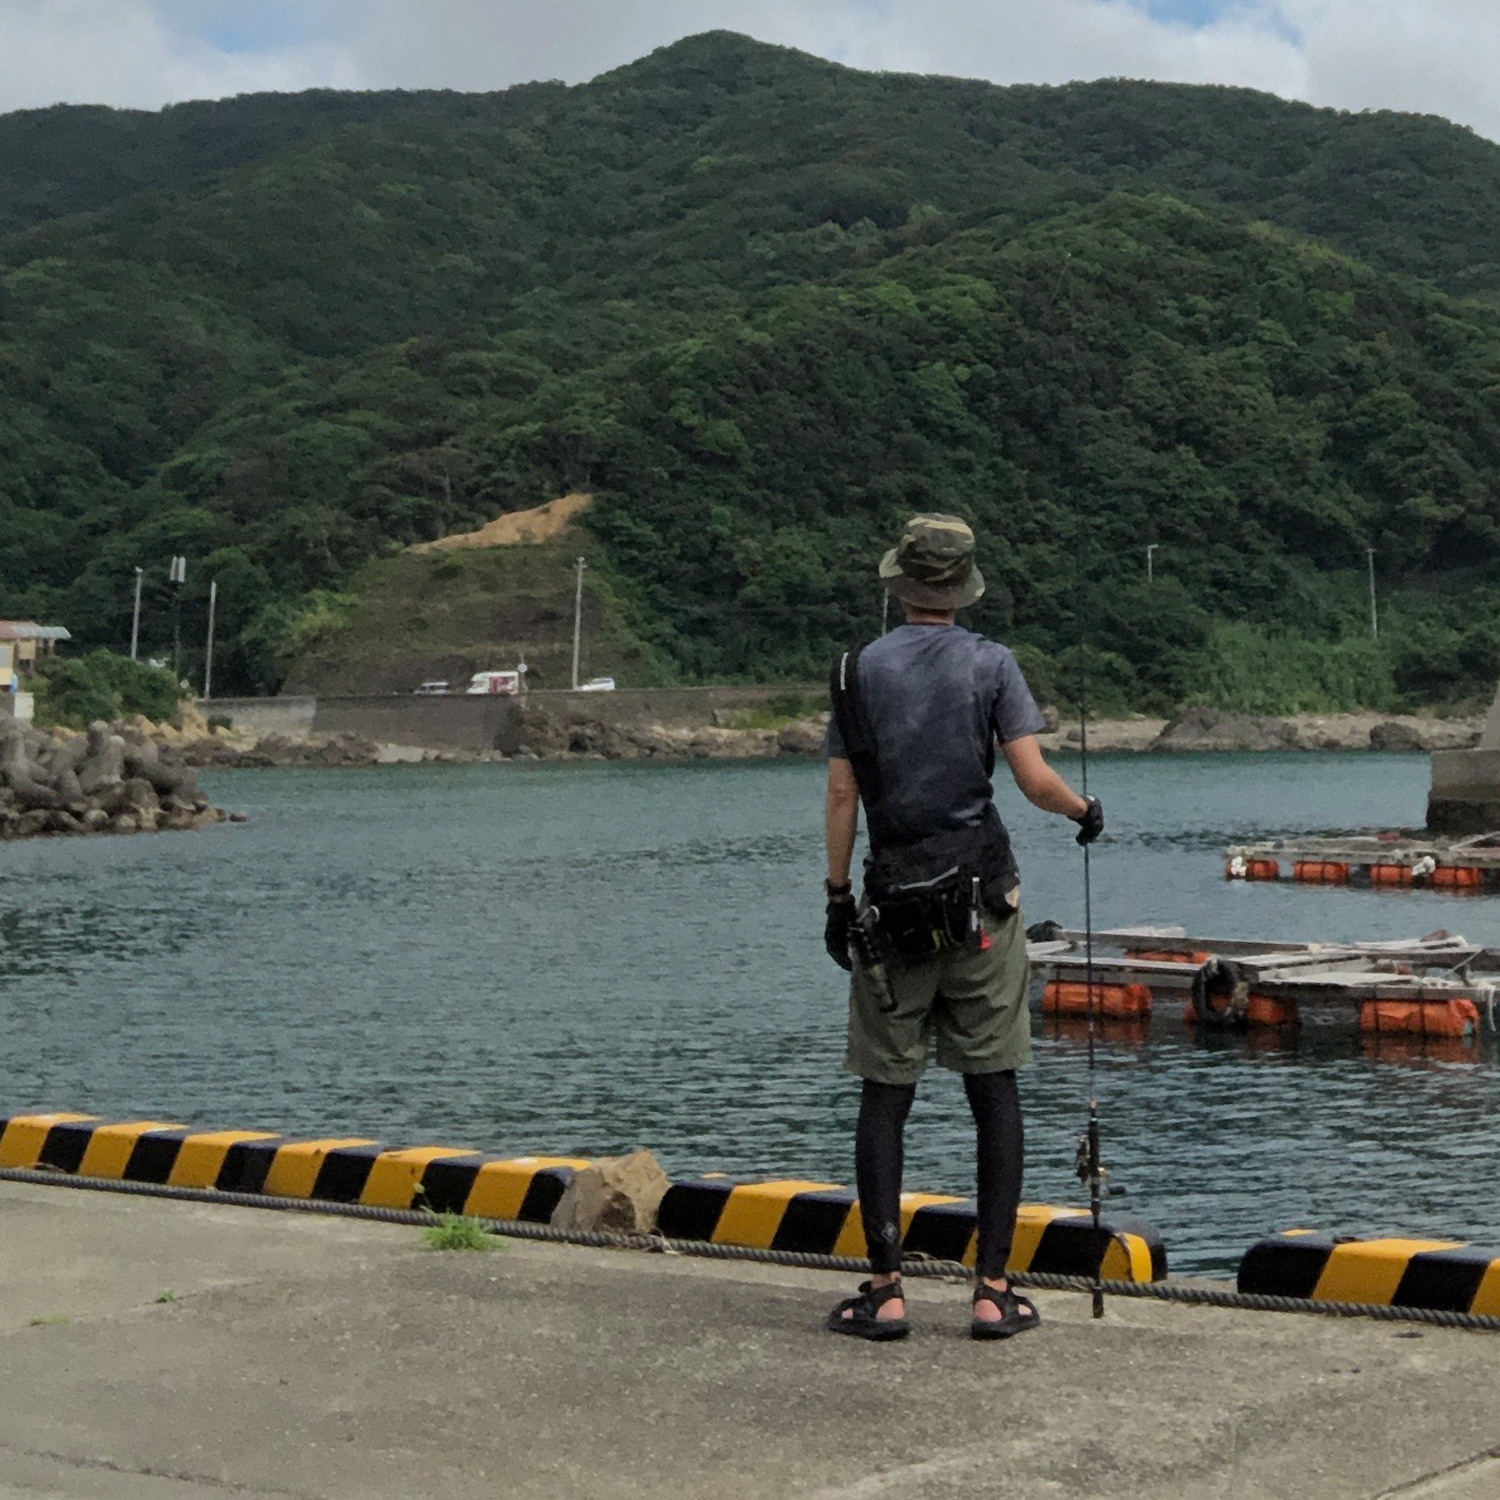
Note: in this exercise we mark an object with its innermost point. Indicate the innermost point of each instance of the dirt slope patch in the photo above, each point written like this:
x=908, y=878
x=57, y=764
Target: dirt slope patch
x=464, y=611
x=540, y=524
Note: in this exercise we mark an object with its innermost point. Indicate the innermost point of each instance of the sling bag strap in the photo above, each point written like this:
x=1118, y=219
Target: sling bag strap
x=848, y=715
x=859, y=748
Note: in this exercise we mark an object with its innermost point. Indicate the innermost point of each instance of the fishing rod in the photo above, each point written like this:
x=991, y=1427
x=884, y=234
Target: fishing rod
x=1087, y=1160
x=1089, y=1164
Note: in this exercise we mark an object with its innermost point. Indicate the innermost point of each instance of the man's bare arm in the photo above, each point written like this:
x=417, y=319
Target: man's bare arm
x=1038, y=782
x=840, y=819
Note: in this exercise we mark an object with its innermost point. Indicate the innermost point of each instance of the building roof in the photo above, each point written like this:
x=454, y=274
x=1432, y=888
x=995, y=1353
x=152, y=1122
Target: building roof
x=29, y=630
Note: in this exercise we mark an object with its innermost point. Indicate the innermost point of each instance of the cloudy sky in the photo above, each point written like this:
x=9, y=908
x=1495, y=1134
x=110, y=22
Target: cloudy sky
x=1436, y=56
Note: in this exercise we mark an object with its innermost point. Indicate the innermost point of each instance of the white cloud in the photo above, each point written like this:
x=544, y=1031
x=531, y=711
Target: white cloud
x=1431, y=56
x=476, y=45
x=1435, y=56
x=1058, y=41
x=128, y=52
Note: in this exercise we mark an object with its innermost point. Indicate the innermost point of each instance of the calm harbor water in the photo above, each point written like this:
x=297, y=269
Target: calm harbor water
x=585, y=958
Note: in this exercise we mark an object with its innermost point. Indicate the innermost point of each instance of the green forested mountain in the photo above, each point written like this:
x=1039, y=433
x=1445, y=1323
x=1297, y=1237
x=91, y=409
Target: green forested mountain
x=763, y=307
x=71, y=159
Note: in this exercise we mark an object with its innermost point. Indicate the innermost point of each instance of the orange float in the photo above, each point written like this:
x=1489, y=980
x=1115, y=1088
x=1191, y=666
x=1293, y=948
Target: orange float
x=1457, y=878
x=1120, y=1001
x=1390, y=875
x=1453, y=1018
x=1265, y=1010
x=1320, y=872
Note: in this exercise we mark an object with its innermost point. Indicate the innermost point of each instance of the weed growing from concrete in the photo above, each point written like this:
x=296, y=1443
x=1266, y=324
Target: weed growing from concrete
x=48, y=1320
x=167, y=1296
x=450, y=1231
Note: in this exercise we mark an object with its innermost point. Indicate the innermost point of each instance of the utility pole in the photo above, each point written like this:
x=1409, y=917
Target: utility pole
x=135, y=619
x=578, y=621
x=885, y=610
x=1374, y=618
x=1150, y=571
x=178, y=575
x=208, y=660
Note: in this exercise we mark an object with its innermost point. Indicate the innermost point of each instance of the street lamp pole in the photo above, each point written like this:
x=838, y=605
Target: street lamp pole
x=1150, y=571
x=177, y=575
x=1374, y=618
x=208, y=659
x=578, y=621
x=135, y=619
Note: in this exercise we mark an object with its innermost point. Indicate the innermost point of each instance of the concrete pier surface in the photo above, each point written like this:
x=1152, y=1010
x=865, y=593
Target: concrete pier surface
x=299, y=1356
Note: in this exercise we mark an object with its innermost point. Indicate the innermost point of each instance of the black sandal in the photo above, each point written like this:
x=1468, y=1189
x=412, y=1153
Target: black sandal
x=1017, y=1314
x=862, y=1321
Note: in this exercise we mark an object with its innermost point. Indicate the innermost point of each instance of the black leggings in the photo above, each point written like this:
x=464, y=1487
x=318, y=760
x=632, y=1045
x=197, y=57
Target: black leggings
x=883, y=1108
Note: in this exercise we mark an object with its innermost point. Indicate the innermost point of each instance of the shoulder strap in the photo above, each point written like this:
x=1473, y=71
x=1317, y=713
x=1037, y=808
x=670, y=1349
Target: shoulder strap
x=848, y=714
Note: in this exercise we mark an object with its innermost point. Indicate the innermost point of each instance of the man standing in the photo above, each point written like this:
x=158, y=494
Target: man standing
x=938, y=937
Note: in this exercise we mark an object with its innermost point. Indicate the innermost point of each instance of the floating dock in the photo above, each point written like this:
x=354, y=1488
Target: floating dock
x=1436, y=986
x=1468, y=866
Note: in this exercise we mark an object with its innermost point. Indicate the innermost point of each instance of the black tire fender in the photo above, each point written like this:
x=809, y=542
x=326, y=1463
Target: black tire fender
x=1219, y=994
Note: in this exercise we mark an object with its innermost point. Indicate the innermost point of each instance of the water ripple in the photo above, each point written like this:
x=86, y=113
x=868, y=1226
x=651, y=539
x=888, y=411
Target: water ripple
x=589, y=958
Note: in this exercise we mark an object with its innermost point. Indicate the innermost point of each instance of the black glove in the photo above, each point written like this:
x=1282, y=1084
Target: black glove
x=837, y=927
x=1090, y=821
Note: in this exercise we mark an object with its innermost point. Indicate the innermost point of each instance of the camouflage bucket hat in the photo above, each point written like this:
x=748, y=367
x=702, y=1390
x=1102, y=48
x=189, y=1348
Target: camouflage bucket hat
x=932, y=566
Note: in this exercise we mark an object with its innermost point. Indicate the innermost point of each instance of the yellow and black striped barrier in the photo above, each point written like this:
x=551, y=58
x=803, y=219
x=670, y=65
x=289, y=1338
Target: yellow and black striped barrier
x=807, y=1217
x=820, y=1218
x=341, y=1169
x=1441, y=1275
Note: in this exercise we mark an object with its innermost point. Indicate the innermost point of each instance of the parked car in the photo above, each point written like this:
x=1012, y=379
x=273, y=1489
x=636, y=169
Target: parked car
x=495, y=682
x=598, y=685
x=431, y=688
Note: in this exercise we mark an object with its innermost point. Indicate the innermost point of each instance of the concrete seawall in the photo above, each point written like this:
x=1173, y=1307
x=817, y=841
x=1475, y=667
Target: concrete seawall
x=1465, y=795
x=460, y=722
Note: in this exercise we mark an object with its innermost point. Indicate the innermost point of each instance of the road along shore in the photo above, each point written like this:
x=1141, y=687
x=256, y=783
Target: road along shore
x=170, y=1351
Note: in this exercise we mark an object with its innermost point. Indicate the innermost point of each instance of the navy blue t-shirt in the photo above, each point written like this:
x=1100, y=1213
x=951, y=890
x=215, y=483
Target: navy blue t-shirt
x=935, y=697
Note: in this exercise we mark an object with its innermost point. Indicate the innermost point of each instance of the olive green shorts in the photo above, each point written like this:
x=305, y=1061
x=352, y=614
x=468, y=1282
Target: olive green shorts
x=975, y=1006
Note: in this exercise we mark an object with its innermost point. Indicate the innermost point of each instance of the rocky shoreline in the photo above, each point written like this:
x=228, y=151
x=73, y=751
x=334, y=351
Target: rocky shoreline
x=549, y=735
x=140, y=777
x=1212, y=729
x=113, y=779
x=546, y=737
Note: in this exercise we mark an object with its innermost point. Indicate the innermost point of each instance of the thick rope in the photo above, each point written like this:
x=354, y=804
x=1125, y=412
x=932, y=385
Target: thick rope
x=915, y=1266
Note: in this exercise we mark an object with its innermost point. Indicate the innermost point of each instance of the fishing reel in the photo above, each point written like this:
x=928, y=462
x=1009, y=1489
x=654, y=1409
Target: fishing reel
x=1084, y=1164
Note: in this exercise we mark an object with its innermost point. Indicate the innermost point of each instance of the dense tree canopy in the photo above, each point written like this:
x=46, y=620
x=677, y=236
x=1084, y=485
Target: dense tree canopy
x=764, y=307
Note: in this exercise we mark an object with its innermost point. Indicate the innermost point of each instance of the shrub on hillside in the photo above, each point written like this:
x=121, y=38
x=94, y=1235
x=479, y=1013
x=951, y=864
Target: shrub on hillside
x=77, y=690
x=1249, y=670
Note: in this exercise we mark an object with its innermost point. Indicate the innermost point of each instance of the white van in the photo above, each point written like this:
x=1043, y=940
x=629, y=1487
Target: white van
x=495, y=682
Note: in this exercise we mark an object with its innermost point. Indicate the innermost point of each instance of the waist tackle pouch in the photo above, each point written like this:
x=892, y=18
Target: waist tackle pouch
x=931, y=896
